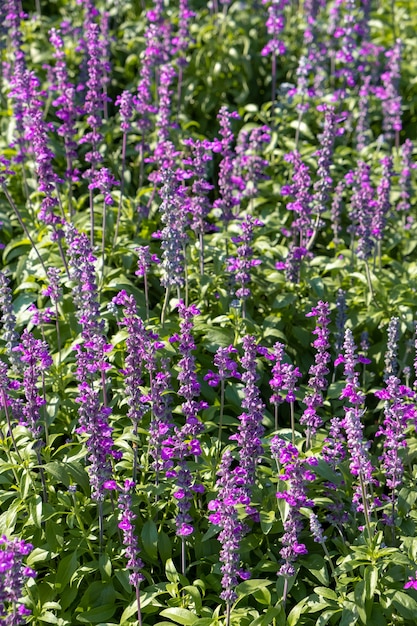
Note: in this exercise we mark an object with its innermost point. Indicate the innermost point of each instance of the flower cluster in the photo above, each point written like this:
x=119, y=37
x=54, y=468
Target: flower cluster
x=126, y=525
x=224, y=513
x=13, y=574
x=318, y=372
x=36, y=360
x=250, y=429
x=242, y=264
x=296, y=473
x=184, y=442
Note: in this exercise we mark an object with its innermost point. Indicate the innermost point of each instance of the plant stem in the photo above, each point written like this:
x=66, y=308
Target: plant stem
x=122, y=185
x=183, y=559
x=22, y=224
x=292, y=422
x=165, y=305
x=138, y=603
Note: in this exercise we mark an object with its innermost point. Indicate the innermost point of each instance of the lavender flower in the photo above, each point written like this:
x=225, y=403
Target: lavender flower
x=398, y=410
x=242, y=264
x=36, y=133
x=301, y=227
x=405, y=176
x=36, y=359
x=226, y=367
x=200, y=204
x=275, y=25
x=53, y=291
x=360, y=464
x=390, y=360
x=103, y=180
x=362, y=209
x=173, y=234
x=184, y=441
x=8, y=320
x=318, y=372
x=383, y=204
x=341, y=319
x=224, y=514
x=126, y=525
x=230, y=185
x=13, y=573
x=362, y=126
x=249, y=164
x=65, y=103
x=324, y=160
x=284, y=377
x=92, y=363
x=94, y=100
x=250, y=430
x=161, y=422
x=389, y=94
x=297, y=473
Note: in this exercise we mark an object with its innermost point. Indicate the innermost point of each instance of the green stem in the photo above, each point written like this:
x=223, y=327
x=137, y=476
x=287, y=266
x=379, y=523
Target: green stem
x=292, y=423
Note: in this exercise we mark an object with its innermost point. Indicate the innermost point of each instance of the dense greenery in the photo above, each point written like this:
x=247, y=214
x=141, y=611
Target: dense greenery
x=317, y=253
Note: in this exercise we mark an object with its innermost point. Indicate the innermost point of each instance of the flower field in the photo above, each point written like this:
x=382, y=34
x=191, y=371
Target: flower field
x=208, y=328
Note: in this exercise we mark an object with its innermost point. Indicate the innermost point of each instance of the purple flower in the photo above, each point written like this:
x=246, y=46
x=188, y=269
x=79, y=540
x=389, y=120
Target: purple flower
x=296, y=472
x=92, y=363
x=275, y=25
x=398, y=410
x=8, y=320
x=94, y=99
x=102, y=179
x=36, y=360
x=383, y=204
x=242, y=264
x=13, y=573
x=65, y=103
x=405, y=176
x=389, y=92
x=184, y=443
x=224, y=514
x=230, y=185
x=174, y=236
x=125, y=104
x=412, y=583
x=250, y=430
x=318, y=372
x=390, y=360
x=363, y=206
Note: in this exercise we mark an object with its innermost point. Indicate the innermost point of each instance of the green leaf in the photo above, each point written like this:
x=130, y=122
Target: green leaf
x=180, y=616
x=295, y=614
x=267, y=519
x=149, y=537
x=270, y=617
x=405, y=605
x=66, y=569
x=171, y=572
x=35, y=508
x=164, y=546
x=326, y=617
x=79, y=475
x=248, y=587
x=349, y=617
x=316, y=565
x=105, y=566
x=48, y=617
x=194, y=593
x=58, y=471
x=262, y=595
x=324, y=592
x=96, y=615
